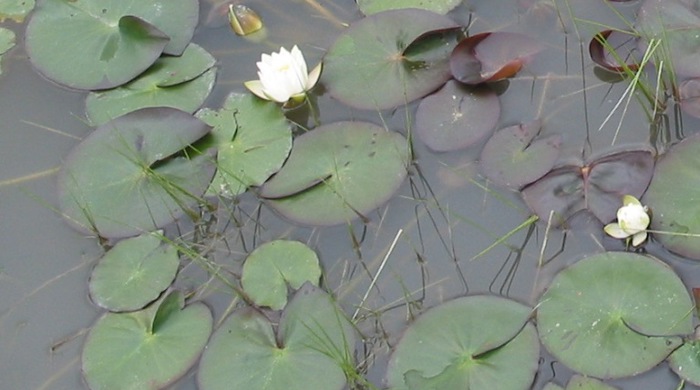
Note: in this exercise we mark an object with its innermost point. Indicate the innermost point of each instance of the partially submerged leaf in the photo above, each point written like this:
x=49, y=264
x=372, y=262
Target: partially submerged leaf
x=606, y=50
x=132, y=174
x=273, y=267
x=133, y=273
x=456, y=117
x=484, y=342
x=16, y=10
x=597, y=186
x=366, y=66
x=491, y=56
x=614, y=314
x=338, y=172
x=122, y=353
x=579, y=382
x=168, y=307
x=685, y=362
x=516, y=156
x=314, y=340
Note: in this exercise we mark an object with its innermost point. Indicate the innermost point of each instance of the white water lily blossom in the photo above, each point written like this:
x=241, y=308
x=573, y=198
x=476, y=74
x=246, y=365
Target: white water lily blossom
x=632, y=221
x=283, y=76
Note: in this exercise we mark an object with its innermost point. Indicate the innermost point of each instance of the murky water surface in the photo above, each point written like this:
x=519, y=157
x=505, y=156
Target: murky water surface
x=442, y=220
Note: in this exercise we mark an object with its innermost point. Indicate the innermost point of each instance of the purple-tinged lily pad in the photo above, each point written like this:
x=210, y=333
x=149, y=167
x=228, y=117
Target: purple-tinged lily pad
x=102, y=44
x=614, y=314
x=689, y=91
x=491, y=56
x=456, y=117
x=338, y=172
x=676, y=23
x=673, y=197
x=367, y=68
x=597, y=186
x=515, y=156
x=606, y=50
x=132, y=174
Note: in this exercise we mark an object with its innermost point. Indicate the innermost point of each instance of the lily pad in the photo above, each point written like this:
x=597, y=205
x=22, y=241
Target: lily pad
x=516, y=156
x=367, y=68
x=614, y=50
x=689, y=91
x=338, y=172
x=121, y=351
x=88, y=44
x=456, y=117
x=133, y=273
x=180, y=82
x=491, y=56
x=273, y=266
x=16, y=10
x=597, y=186
x=685, y=362
x=313, y=339
x=7, y=42
x=253, y=139
x=672, y=197
x=133, y=175
x=578, y=382
x=677, y=24
x=477, y=342
x=369, y=7
x=614, y=314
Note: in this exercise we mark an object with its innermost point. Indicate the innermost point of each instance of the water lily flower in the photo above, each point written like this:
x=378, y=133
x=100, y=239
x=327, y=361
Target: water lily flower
x=283, y=77
x=632, y=221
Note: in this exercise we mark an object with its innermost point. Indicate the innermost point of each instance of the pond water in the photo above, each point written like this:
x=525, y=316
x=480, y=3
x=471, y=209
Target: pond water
x=448, y=232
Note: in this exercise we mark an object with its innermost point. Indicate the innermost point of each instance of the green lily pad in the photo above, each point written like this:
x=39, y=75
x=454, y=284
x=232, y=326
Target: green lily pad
x=133, y=273
x=313, y=339
x=672, y=197
x=369, y=7
x=121, y=351
x=578, y=382
x=180, y=82
x=477, y=342
x=515, y=156
x=675, y=23
x=338, y=172
x=89, y=44
x=456, y=117
x=132, y=175
x=16, y=10
x=614, y=314
x=253, y=139
x=685, y=362
x=7, y=42
x=273, y=266
x=367, y=68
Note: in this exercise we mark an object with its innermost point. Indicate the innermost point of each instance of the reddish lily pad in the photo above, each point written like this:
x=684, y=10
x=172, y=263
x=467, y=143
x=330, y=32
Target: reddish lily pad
x=367, y=68
x=491, y=56
x=606, y=50
x=690, y=96
x=596, y=186
x=515, y=156
x=456, y=117
x=673, y=198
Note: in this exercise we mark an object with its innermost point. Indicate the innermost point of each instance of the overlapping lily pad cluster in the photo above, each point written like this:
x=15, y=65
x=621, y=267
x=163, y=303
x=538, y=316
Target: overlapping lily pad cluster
x=156, y=157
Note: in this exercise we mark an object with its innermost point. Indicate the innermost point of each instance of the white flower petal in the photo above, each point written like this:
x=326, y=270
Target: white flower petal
x=314, y=76
x=639, y=238
x=614, y=230
x=255, y=86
